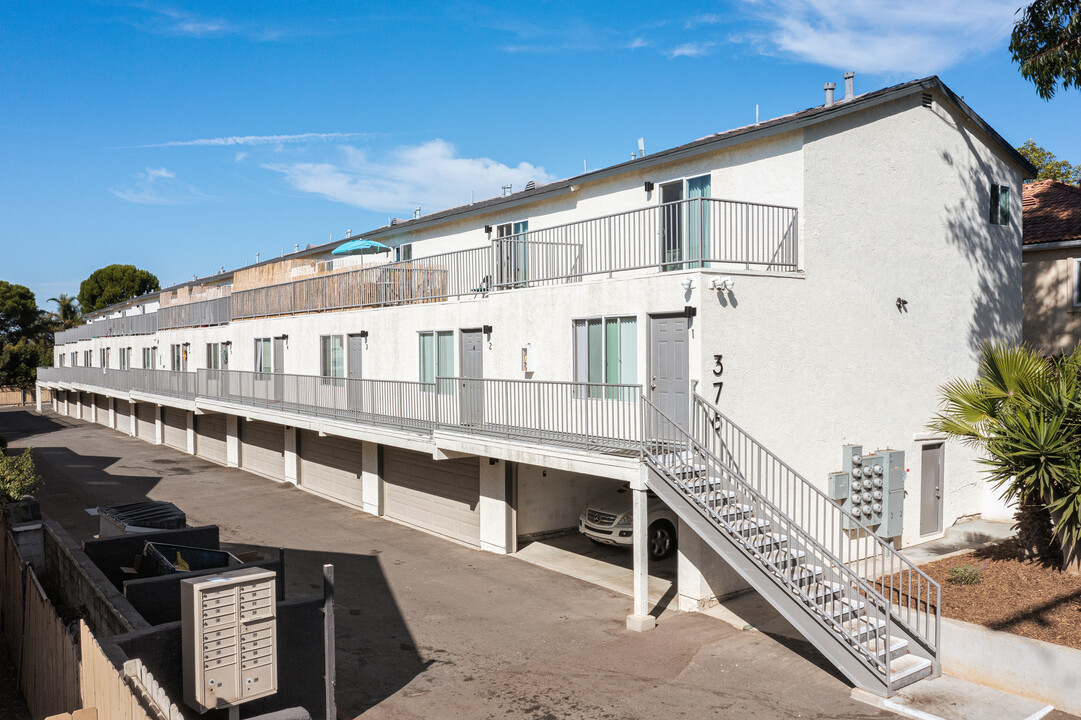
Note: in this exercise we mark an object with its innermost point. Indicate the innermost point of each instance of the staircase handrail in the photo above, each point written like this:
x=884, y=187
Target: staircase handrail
x=868, y=535
x=862, y=587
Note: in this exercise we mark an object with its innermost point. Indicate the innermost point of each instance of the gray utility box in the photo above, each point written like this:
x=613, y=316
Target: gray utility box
x=872, y=489
x=229, y=638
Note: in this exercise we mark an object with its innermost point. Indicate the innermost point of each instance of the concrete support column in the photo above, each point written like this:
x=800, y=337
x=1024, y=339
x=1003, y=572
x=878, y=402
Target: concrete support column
x=232, y=441
x=67, y=409
x=37, y=397
x=292, y=456
x=702, y=577
x=79, y=405
x=93, y=408
x=371, y=482
x=495, y=508
x=112, y=413
x=159, y=426
x=640, y=619
x=191, y=432
x=133, y=425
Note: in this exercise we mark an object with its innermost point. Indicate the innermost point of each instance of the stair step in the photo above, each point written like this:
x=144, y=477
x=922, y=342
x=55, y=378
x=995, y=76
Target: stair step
x=843, y=610
x=896, y=647
x=907, y=669
x=785, y=559
x=719, y=498
x=769, y=542
x=704, y=484
x=820, y=592
x=805, y=574
x=863, y=628
x=751, y=527
x=732, y=512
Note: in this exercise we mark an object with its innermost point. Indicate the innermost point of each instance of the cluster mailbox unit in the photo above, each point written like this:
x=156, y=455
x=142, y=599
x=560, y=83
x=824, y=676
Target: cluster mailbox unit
x=229, y=638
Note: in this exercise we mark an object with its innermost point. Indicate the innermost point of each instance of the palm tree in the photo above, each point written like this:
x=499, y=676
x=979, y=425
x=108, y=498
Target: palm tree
x=1023, y=411
x=67, y=310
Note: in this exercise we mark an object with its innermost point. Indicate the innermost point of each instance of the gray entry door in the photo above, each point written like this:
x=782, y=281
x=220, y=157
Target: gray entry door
x=356, y=348
x=472, y=398
x=279, y=368
x=931, y=477
x=669, y=365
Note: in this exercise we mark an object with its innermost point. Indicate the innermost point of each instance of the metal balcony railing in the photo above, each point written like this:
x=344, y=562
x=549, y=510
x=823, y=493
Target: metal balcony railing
x=218, y=311
x=684, y=235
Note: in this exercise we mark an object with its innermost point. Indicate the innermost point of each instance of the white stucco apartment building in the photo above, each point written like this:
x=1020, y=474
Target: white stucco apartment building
x=745, y=305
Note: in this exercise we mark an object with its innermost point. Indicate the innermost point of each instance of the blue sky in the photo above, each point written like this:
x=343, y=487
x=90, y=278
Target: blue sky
x=186, y=136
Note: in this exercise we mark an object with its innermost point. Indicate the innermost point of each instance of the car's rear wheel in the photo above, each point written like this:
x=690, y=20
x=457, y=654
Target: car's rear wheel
x=662, y=540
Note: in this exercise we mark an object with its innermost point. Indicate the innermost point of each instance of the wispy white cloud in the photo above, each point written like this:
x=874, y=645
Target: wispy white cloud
x=704, y=19
x=430, y=175
x=258, y=140
x=172, y=21
x=692, y=49
x=881, y=36
x=158, y=186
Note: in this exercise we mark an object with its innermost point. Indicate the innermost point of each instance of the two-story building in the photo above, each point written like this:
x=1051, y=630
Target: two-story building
x=713, y=323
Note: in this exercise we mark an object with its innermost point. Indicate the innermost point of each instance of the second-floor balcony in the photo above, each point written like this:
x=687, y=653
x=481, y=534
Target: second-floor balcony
x=700, y=233
x=683, y=235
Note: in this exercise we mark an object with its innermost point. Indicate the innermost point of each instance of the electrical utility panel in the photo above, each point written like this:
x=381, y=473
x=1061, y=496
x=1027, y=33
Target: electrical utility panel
x=229, y=634
x=872, y=489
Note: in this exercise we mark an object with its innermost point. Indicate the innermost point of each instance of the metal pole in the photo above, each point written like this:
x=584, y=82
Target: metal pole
x=328, y=640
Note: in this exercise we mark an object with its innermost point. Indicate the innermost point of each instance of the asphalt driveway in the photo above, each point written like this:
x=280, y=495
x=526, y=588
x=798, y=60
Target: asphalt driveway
x=430, y=629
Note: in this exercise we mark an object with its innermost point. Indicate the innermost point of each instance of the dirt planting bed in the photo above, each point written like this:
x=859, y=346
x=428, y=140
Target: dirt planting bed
x=1032, y=599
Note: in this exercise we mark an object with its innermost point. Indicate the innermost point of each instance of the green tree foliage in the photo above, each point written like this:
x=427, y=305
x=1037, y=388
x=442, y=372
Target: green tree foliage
x=19, y=313
x=68, y=314
x=1046, y=44
x=113, y=284
x=18, y=476
x=1048, y=166
x=1024, y=412
x=19, y=362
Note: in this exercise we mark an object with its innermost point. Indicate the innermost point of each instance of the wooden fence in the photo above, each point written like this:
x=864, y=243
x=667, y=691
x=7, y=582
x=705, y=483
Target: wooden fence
x=61, y=671
x=18, y=396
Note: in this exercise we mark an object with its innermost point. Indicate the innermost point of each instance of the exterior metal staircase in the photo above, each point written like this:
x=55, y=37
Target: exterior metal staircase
x=870, y=611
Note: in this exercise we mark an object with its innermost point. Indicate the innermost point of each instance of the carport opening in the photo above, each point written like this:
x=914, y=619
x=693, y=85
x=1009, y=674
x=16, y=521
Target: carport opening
x=569, y=523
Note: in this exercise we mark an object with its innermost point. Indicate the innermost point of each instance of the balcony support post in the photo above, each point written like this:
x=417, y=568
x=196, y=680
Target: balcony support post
x=371, y=483
x=232, y=441
x=159, y=428
x=112, y=413
x=292, y=457
x=191, y=439
x=640, y=619
x=133, y=420
x=37, y=397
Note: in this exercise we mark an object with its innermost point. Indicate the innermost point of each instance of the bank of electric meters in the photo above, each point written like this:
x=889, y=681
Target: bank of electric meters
x=872, y=489
x=230, y=638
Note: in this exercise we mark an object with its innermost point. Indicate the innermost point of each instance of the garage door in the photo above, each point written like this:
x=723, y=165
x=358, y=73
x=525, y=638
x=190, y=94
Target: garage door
x=443, y=496
x=210, y=442
x=176, y=428
x=262, y=448
x=123, y=416
x=103, y=409
x=88, y=407
x=331, y=466
x=145, y=414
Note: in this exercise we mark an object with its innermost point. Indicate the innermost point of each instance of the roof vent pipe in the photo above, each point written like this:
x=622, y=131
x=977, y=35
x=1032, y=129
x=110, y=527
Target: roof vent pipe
x=829, y=87
x=850, y=84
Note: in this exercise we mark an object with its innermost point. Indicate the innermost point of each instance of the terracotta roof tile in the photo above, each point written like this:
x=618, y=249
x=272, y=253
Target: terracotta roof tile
x=1052, y=212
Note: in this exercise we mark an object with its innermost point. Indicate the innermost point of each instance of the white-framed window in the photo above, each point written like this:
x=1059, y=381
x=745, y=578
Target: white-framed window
x=74, y=359
x=331, y=356
x=1077, y=283
x=436, y=352
x=148, y=358
x=404, y=252
x=125, y=358
x=176, y=357
x=264, y=358
x=103, y=356
x=606, y=351
x=513, y=253
x=60, y=358
x=213, y=356
x=685, y=221
x=1000, y=205
x=88, y=358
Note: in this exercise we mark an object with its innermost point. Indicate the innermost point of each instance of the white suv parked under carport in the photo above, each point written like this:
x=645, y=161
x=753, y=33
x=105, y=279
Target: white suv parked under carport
x=608, y=519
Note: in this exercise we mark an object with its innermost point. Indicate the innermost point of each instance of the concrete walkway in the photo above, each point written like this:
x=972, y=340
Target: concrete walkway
x=960, y=538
